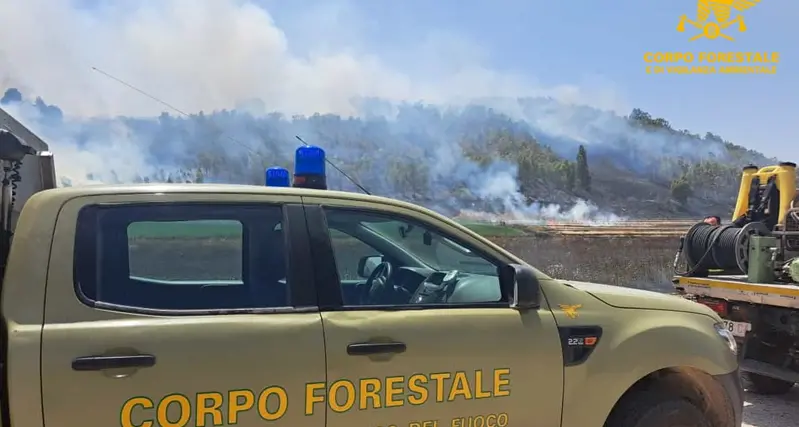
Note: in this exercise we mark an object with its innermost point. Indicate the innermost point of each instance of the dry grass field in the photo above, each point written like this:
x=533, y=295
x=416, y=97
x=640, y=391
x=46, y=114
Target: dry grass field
x=631, y=253
x=635, y=261
x=635, y=254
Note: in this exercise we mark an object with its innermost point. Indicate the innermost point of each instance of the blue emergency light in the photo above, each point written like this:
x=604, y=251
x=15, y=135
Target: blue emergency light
x=277, y=177
x=309, y=168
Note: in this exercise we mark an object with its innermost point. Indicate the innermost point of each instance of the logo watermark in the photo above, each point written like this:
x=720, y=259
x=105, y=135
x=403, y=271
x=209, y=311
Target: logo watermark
x=714, y=21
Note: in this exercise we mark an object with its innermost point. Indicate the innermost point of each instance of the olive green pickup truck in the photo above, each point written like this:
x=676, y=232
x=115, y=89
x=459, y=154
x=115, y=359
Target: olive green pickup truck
x=213, y=305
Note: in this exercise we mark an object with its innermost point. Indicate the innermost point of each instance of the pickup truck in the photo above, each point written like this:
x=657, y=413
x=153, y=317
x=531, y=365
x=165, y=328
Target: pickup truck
x=178, y=305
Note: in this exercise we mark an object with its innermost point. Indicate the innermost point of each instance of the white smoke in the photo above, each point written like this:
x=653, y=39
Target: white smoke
x=581, y=212
x=224, y=54
x=207, y=55
x=113, y=156
x=501, y=185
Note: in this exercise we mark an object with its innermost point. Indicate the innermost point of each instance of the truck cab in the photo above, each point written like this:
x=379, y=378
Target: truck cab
x=208, y=305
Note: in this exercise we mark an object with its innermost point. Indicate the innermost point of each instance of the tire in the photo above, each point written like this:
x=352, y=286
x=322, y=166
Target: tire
x=762, y=384
x=653, y=409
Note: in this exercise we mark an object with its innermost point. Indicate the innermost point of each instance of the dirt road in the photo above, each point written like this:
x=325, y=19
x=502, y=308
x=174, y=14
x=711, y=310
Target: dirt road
x=772, y=411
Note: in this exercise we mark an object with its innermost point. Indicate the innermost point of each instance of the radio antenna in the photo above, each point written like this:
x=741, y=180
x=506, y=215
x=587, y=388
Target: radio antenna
x=355, y=183
x=183, y=113
x=166, y=104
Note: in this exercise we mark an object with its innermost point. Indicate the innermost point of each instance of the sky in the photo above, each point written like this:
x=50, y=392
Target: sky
x=303, y=56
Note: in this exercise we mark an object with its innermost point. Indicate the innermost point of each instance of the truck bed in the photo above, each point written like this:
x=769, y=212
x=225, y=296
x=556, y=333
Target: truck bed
x=736, y=288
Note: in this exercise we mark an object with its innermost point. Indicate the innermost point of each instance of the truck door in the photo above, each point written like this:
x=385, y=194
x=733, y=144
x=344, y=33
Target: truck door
x=448, y=352
x=180, y=313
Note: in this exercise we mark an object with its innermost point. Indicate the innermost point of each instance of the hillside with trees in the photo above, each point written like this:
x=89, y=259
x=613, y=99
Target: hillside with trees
x=449, y=159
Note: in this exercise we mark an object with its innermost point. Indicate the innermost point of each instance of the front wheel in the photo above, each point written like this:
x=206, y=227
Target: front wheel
x=762, y=384
x=651, y=409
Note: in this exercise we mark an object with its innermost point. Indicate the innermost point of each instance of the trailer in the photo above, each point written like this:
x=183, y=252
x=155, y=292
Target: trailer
x=748, y=272
x=764, y=318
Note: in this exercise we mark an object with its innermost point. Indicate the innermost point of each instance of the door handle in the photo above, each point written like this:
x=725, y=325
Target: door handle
x=99, y=363
x=367, y=348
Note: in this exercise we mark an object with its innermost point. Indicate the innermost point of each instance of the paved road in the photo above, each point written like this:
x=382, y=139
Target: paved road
x=772, y=411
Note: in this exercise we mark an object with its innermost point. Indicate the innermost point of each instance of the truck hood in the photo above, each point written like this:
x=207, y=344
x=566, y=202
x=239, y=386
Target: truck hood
x=621, y=297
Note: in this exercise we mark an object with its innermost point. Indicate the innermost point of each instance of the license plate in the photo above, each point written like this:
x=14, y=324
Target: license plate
x=739, y=329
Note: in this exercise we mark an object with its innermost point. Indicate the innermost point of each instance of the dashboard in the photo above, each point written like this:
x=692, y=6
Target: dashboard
x=427, y=286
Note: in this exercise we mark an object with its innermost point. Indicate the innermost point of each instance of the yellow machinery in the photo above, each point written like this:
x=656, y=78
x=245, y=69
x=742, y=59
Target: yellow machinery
x=781, y=177
x=767, y=207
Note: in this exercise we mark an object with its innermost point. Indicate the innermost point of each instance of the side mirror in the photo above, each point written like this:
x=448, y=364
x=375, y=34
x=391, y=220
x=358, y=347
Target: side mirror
x=367, y=264
x=524, y=287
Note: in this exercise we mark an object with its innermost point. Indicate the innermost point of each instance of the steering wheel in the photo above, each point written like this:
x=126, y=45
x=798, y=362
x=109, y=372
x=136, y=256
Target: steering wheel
x=377, y=286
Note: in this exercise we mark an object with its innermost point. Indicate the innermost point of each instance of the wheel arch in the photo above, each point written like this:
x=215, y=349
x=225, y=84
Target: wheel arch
x=692, y=384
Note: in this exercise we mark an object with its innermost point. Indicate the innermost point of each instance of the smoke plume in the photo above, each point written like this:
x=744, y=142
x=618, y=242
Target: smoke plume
x=72, y=65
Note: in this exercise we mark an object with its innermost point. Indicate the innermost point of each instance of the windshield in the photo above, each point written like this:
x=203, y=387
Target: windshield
x=431, y=248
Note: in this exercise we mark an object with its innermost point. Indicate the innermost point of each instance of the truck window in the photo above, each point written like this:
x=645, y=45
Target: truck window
x=470, y=277
x=219, y=259
x=181, y=257
x=434, y=249
x=345, y=244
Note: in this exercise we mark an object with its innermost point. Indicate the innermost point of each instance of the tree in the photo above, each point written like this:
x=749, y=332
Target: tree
x=409, y=177
x=446, y=159
x=566, y=169
x=199, y=176
x=681, y=190
x=582, y=173
x=639, y=115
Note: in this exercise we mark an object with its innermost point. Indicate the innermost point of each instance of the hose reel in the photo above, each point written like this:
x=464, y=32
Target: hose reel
x=720, y=247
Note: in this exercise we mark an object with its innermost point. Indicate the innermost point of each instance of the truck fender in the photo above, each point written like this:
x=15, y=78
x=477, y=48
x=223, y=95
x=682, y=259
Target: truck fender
x=633, y=353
